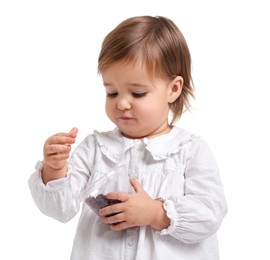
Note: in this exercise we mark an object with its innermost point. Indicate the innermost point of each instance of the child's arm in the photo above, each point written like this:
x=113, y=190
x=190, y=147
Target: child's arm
x=189, y=218
x=54, y=195
x=199, y=213
x=56, y=152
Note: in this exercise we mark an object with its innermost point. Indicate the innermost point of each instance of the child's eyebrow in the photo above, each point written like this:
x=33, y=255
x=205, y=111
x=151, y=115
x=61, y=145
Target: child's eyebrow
x=105, y=84
x=131, y=84
x=139, y=85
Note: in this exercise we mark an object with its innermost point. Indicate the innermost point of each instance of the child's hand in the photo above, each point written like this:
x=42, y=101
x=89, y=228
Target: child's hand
x=56, y=152
x=137, y=209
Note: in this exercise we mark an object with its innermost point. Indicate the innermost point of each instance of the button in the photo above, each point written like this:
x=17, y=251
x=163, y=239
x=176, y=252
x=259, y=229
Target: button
x=130, y=242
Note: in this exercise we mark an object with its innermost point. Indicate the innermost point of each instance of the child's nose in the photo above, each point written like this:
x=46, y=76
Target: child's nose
x=123, y=104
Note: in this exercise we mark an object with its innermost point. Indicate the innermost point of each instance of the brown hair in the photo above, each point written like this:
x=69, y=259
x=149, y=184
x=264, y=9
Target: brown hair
x=159, y=44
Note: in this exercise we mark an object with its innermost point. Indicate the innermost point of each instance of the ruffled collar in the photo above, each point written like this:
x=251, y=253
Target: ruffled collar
x=113, y=144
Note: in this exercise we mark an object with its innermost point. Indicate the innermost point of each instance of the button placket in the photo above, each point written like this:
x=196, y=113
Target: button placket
x=136, y=154
x=130, y=243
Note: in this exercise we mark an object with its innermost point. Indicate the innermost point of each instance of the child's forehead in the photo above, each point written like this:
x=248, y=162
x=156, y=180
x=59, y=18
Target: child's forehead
x=126, y=70
x=141, y=65
x=134, y=74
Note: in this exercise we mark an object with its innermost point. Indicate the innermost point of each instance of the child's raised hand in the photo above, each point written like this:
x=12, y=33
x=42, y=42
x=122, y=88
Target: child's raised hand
x=137, y=209
x=56, y=151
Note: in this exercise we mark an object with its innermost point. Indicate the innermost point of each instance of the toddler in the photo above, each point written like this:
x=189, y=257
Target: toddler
x=178, y=202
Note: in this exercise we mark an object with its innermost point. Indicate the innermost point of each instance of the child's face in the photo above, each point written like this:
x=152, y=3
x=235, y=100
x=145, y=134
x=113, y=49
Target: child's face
x=136, y=103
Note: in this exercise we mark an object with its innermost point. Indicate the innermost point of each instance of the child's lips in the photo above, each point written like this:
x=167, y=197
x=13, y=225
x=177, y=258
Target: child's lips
x=125, y=118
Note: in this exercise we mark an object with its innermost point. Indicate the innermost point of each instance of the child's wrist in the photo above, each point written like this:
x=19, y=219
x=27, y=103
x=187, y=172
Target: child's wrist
x=48, y=173
x=160, y=220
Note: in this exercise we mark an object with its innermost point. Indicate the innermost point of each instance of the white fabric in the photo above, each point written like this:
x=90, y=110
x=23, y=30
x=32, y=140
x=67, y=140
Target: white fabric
x=177, y=167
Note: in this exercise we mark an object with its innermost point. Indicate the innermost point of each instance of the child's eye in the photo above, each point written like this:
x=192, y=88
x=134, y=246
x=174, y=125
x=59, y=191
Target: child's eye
x=111, y=94
x=138, y=95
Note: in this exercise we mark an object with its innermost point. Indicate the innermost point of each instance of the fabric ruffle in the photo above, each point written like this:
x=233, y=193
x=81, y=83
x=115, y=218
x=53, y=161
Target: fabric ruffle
x=172, y=215
x=160, y=147
x=53, y=199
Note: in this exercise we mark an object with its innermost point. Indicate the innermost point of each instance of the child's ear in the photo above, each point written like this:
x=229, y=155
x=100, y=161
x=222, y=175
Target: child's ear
x=175, y=86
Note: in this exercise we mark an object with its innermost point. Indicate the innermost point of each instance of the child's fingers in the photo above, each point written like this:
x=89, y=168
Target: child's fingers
x=111, y=210
x=56, y=148
x=60, y=139
x=63, y=138
x=137, y=187
x=73, y=132
x=121, y=196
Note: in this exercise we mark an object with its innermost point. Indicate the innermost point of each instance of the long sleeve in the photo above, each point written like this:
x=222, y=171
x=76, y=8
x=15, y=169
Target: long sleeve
x=197, y=214
x=178, y=168
x=60, y=199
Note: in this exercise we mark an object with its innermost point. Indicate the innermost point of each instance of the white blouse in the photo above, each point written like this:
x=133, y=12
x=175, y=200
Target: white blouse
x=177, y=167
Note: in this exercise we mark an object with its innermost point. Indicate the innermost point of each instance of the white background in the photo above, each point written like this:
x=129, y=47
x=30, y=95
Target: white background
x=49, y=83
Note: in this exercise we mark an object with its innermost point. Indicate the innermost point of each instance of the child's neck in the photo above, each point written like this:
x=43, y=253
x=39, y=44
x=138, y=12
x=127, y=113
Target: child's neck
x=151, y=135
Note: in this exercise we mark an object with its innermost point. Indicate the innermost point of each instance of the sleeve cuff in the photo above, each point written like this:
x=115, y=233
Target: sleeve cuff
x=55, y=184
x=169, y=207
